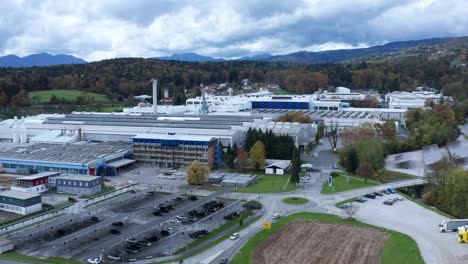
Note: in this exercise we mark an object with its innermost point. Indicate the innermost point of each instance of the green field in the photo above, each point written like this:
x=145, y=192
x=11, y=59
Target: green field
x=294, y=200
x=399, y=248
x=43, y=97
x=340, y=184
x=269, y=184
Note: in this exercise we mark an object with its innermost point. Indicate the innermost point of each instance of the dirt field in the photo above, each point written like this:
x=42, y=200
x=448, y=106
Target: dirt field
x=321, y=242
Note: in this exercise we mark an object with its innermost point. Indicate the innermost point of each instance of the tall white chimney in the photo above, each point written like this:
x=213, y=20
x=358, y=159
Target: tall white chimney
x=155, y=95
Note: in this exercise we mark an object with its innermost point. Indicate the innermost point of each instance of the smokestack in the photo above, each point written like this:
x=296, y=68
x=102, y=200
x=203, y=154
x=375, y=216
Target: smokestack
x=155, y=95
x=79, y=134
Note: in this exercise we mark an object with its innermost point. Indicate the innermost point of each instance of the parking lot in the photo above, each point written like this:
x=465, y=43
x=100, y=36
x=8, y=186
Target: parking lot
x=151, y=178
x=137, y=215
x=419, y=223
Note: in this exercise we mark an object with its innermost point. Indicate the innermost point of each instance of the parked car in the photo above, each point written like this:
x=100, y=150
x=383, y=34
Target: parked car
x=113, y=257
x=378, y=194
x=136, y=172
x=153, y=239
x=386, y=192
x=234, y=236
x=276, y=216
x=360, y=199
x=175, y=221
x=131, y=240
x=181, y=217
x=193, y=198
x=224, y=261
x=370, y=196
x=118, y=223
x=388, y=202
x=131, y=250
x=144, y=243
x=93, y=260
x=345, y=205
x=167, y=232
x=398, y=198
x=115, y=232
x=391, y=190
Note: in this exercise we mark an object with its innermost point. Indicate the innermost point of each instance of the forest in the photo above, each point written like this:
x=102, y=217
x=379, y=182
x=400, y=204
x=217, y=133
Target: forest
x=126, y=77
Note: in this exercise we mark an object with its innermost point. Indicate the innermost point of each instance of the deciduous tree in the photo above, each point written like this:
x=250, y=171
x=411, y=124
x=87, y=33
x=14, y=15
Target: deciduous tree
x=366, y=171
x=197, y=173
x=257, y=154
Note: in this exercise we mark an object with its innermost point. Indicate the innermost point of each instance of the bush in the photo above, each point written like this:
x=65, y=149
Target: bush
x=253, y=205
x=334, y=174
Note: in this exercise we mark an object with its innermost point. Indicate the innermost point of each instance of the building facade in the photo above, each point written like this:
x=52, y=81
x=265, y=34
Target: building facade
x=81, y=185
x=175, y=151
x=20, y=202
x=36, y=183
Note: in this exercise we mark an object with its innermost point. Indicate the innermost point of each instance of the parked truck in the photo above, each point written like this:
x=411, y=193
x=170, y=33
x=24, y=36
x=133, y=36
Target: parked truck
x=452, y=225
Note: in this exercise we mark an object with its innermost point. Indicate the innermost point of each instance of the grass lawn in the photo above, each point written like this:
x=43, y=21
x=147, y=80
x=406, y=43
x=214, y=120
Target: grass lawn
x=399, y=248
x=52, y=260
x=391, y=176
x=294, y=200
x=269, y=184
x=70, y=95
x=340, y=184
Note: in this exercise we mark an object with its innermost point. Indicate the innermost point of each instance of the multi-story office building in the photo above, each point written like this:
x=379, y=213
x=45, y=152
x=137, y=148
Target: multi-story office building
x=36, y=183
x=172, y=150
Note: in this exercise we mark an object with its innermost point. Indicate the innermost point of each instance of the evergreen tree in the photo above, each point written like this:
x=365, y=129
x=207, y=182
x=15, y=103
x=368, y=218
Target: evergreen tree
x=295, y=166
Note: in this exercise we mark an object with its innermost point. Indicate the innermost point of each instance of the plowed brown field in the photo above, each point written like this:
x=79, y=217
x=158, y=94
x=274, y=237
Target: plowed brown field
x=320, y=242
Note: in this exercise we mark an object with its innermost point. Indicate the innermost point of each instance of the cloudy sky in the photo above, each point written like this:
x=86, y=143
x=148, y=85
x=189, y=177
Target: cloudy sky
x=100, y=29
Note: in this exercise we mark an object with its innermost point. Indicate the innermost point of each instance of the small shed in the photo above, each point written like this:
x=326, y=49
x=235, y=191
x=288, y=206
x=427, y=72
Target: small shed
x=278, y=167
x=6, y=245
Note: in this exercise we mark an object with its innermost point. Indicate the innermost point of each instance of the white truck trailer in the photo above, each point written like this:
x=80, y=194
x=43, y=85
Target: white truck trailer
x=452, y=225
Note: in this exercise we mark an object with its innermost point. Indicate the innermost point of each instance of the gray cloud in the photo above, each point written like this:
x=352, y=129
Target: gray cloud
x=102, y=29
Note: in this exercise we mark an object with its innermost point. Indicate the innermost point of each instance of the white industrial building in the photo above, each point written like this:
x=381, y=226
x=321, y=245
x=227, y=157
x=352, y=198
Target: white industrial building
x=411, y=100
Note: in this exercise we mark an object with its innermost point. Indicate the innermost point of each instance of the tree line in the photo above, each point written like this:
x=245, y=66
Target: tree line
x=126, y=77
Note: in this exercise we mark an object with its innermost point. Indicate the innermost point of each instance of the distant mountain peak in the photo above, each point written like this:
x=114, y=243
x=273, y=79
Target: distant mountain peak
x=39, y=59
x=189, y=57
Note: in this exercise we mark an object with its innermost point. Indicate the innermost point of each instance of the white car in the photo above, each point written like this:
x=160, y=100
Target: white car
x=234, y=236
x=275, y=216
x=94, y=261
x=175, y=221
x=173, y=171
x=136, y=172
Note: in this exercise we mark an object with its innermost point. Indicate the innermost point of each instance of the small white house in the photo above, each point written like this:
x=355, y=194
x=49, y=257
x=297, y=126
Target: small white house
x=278, y=167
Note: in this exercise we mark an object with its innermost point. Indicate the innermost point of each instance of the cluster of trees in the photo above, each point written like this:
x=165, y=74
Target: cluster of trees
x=126, y=77
x=436, y=125
x=276, y=146
x=296, y=117
x=447, y=189
x=363, y=151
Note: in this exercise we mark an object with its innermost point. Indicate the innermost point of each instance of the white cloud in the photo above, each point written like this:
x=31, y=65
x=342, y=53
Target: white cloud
x=102, y=29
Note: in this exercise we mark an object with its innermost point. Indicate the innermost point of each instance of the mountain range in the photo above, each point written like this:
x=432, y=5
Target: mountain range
x=343, y=55
x=39, y=59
